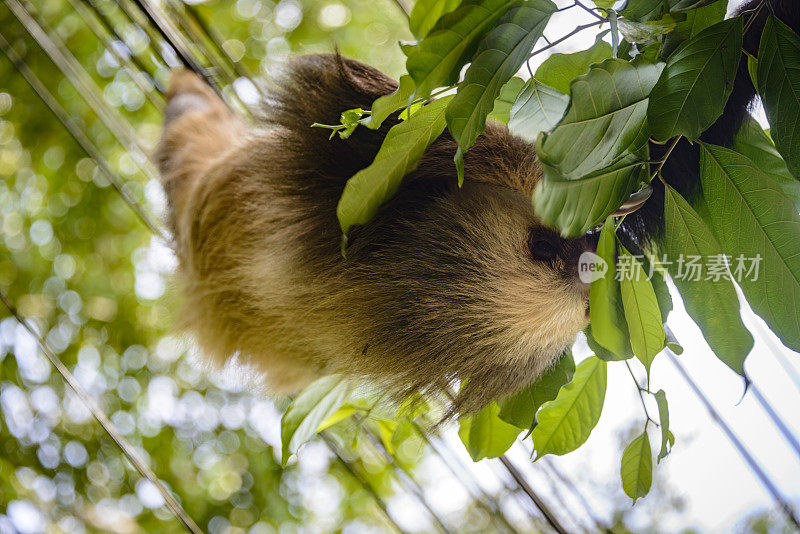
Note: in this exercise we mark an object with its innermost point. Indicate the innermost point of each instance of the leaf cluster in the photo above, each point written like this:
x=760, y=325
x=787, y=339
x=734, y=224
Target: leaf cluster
x=662, y=72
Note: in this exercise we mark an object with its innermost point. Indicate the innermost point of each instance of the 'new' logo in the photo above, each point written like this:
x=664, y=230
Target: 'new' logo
x=591, y=267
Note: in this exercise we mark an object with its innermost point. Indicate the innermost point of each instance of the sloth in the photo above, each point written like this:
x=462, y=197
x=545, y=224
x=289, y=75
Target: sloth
x=446, y=284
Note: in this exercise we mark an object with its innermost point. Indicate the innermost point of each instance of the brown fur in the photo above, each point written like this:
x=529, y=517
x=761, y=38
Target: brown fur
x=442, y=284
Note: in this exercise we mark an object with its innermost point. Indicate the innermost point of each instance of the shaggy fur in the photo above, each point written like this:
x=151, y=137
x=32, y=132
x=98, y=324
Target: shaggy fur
x=446, y=283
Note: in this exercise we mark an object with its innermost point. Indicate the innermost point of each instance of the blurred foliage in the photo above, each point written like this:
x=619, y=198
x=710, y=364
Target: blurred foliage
x=92, y=278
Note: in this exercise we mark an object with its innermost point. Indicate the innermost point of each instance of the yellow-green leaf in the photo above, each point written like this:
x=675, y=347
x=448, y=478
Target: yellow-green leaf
x=642, y=313
x=485, y=435
x=637, y=467
x=566, y=422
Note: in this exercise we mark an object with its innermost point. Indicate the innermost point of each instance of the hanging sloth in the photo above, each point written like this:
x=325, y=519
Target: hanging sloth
x=446, y=283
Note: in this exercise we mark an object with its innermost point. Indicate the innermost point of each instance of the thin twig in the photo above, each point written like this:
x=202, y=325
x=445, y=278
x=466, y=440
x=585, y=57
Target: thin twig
x=577, y=29
x=590, y=11
x=640, y=390
x=350, y=468
x=663, y=160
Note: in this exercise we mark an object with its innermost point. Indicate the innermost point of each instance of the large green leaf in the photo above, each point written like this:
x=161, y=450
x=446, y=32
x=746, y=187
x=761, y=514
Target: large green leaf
x=753, y=142
x=426, y=13
x=309, y=410
x=577, y=206
x=644, y=10
x=388, y=104
x=508, y=95
x=696, y=83
x=605, y=121
x=437, y=60
x=667, y=439
x=538, y=108
x=399, y=154
x=558, y=70
x=779, y=86
x=520, y=409
x=696, y=21
x=752, y=217
x=642, y=313
x=566, y=422
x=591, y=159
x=500, y=55
x=637, y=467
x=485, y=435
x=712, y=304
x=605, y=300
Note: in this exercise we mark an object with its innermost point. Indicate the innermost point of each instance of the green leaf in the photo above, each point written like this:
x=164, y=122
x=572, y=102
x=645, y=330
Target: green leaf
x=686, y=5
x=642, y=313
x=752, y=69
x=577, y=206
x=696, y=21
x=756, y=145
x=500, y=55
x=520, y=409
x=779, y=86
x=637, y=467
x=659, y=282
x=608, y=327
x=663, y=421
x=485, y=435
x=385, y=429
x=558, y=70
x=752, y=217
x=644, y=10
x=606, y=119
x=696, y=83
x=338, y=416
x=437, y=60
x=712, y=304
x=538, y=108
x=605, y=4
x=591, y=160
x=566, y=422
x=314, y=405
x=602, y=352
x=399, y=154
x=388, y=104
x=426, y=13
x=503, y=103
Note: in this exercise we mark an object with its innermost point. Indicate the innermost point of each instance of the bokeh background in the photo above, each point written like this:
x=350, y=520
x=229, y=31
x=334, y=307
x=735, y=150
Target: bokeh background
x=95, y=282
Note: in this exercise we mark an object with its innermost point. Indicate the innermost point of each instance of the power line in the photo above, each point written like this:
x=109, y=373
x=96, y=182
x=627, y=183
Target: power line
x=78, y=135
x=748, y=458
x=59, y=54
x=123, y=444
x=140, y=77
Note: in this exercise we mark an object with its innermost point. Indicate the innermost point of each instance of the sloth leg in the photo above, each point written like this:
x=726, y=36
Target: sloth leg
x=199, y=129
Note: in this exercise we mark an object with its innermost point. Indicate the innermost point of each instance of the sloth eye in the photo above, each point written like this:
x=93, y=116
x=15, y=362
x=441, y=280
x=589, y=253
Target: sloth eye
x=542, y=247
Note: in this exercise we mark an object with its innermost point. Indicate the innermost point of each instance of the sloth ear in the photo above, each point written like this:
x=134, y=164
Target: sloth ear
x=318, y=87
